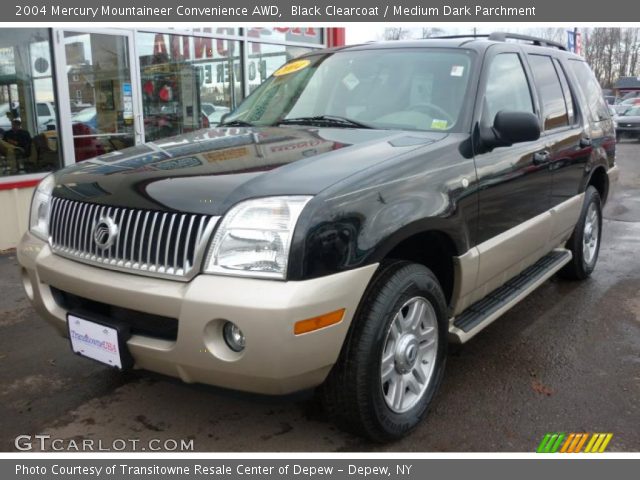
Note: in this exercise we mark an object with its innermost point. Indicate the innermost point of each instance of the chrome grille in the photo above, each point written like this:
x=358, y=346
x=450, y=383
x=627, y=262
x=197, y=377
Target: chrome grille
x=148, y=242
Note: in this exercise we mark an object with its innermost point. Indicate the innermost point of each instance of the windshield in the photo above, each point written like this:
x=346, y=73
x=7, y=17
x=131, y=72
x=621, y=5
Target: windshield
x=416, y=89
x=632, y=112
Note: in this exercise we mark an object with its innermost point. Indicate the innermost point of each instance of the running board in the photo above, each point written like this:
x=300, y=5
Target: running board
x=485, y=311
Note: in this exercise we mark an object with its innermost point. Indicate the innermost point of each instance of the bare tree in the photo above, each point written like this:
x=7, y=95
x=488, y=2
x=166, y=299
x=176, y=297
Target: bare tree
x=612, y=53
x=558, y=35
x=396, y=33
x=432, y=32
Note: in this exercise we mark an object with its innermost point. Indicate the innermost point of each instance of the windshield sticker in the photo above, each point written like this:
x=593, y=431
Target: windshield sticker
x=439, y=124
x=457, y=71
x=291, y=68
x=351, y=81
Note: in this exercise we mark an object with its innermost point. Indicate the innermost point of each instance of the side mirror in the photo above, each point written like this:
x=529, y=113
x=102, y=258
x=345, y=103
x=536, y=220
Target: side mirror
x=509, y=128
x=224, y=117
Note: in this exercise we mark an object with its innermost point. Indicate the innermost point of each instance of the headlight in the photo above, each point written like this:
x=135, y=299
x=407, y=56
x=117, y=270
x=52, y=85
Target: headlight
x=40, y=208
x=254, y=238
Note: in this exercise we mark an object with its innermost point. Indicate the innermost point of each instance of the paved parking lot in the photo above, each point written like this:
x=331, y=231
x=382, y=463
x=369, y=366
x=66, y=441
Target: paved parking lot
x=565, y=359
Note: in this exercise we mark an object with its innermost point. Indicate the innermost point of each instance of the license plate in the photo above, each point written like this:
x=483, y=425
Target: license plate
x=96, y=341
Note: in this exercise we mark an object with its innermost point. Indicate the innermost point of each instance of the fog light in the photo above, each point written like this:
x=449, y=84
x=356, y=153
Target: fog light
x=233, y=336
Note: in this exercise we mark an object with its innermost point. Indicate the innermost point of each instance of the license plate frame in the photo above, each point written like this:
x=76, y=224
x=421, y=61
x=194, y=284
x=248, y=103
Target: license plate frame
x=101, y=340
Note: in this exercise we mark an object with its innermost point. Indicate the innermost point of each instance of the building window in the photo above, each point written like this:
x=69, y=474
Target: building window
x=28, y=137
x=188, y=82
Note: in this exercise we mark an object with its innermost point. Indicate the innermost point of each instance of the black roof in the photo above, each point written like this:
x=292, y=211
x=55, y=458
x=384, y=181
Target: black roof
x=628, y=82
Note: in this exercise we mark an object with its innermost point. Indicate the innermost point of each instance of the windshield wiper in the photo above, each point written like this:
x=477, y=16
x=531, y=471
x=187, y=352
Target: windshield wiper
x=324, y=120
x=236, y=123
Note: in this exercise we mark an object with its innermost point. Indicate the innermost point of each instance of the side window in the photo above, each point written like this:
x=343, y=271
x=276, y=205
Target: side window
x=507, y=87
x=568, y=97
x=554, y=108
x=598, y=109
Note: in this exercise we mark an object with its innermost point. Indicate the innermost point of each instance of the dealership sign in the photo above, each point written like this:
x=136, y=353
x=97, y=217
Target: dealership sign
x=179, y=46
x=220, y=50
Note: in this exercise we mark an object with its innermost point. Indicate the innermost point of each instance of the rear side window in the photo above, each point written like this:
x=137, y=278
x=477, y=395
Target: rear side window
x=554, y=108
x=507, y=87
x=598, y=109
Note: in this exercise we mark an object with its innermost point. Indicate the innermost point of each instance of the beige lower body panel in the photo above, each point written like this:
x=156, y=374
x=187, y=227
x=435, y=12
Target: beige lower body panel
x=491, y=264
x=457, y=335
x=275, y=361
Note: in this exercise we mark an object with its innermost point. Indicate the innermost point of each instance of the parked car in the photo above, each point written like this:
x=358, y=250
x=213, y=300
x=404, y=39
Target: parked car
x=46, y=113
x=87, y=116
x=630, y=96
x=619, y=109
x=629, y=102
x=628, y=124
x=359, y=210
x=214, y=112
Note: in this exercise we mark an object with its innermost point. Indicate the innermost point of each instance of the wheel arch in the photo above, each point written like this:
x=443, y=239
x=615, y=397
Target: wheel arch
x=435, y=248
x=599, y=179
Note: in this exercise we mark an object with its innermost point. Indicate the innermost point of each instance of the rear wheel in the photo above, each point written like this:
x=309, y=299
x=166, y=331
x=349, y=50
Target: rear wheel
x=585, y=240
x=393, y=359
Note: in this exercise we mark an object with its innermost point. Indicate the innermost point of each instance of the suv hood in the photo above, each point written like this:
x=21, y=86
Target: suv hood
x=208, y=171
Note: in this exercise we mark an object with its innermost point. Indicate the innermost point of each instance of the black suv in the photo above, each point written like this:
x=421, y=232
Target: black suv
x=362, y=208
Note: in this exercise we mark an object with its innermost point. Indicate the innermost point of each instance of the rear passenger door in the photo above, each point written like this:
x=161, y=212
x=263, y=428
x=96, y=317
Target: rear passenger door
x=567, y=144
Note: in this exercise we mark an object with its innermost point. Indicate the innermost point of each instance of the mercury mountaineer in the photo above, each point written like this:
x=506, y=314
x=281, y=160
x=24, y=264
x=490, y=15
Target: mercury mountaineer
x=361, y=209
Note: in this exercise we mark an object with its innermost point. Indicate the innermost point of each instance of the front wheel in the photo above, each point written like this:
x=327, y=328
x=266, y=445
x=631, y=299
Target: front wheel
x=393, y=359
x=585, y=240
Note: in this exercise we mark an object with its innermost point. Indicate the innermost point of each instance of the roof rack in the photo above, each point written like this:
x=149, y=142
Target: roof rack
x=470, y=35
x=504, y=36
x=540, y=42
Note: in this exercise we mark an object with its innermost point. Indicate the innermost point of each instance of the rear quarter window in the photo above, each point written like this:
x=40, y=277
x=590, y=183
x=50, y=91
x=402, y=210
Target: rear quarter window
x=597, y=107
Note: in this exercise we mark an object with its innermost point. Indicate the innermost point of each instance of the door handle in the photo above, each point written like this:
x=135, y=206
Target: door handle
x=541, y=158
x=585, y=142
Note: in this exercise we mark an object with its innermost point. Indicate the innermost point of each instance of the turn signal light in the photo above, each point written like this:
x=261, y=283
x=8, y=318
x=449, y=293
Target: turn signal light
x=316, y=323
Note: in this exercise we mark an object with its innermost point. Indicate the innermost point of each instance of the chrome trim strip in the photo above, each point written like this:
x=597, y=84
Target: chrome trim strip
x=72, y=223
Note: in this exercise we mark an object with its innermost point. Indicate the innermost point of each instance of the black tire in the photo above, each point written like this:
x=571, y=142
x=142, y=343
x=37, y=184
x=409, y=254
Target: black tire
x=353, y=394
x=580, y=268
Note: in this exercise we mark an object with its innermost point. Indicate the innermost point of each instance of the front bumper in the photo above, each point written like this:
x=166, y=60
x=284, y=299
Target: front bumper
x=628, y=132
x=275, y=361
